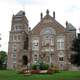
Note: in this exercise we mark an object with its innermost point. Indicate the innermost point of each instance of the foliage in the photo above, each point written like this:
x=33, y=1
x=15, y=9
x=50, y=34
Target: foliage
x=41, y=66
x=44, y=66
x=55, y=69
x=50, y=71
x=34, y=67
x=75, y=58
x=3, y=59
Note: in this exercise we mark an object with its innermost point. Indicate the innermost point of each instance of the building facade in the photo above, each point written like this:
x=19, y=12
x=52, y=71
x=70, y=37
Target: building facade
x=48, y=41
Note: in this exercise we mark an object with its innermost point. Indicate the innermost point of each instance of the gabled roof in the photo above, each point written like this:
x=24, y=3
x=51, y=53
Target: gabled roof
x=46, y=22
x=20, y=15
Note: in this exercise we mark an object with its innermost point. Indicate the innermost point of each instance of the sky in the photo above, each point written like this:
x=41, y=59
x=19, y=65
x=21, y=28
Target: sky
x=65, y=10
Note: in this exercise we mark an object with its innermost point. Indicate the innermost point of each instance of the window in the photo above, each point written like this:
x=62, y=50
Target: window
x=17, y=27
x=61, y=56
x=11, y=37
x=35, y=57
x=48, y=30
x=26, y=43
x=14, y=37
x=51, y=42
x=35, y=45
x=19, y=37
x=60, y=44
x=61, y=59
x=14, y=47
x=47, y=40
x=14, y=60
x=14, y=55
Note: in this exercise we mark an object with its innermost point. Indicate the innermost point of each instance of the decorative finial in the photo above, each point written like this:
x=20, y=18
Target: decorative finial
x=23, y=13
x=29, y=28
x=66, y=23
x=54, y=14
x=47, y=12
x=41, y=16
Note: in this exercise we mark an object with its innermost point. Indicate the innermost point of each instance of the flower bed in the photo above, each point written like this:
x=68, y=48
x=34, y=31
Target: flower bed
x=35, y=71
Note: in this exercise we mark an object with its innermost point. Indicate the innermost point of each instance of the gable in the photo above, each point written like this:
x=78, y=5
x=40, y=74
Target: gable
x=48, y=21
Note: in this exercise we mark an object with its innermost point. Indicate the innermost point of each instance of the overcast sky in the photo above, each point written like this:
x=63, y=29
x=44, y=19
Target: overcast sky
x=66, y=10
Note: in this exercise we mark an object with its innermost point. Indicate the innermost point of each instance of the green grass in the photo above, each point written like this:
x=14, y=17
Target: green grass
x=63, y=75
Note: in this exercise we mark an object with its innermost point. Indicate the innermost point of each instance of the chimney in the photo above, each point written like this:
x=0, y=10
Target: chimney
x=54, y=14
x=41, y=16
x=47, y=12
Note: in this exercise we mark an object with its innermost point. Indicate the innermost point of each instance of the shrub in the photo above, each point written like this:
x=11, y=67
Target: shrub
x=50, y=71
x=40, y=67
x=34, y=67
x=55, y=69
x=22, y=71
x=44, y=67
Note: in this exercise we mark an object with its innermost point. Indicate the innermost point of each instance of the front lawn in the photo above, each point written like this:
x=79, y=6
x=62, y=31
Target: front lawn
x=63, y=75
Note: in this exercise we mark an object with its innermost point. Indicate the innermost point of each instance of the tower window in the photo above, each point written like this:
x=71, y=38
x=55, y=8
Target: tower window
x=15, y=37
x=26, y=43
x=19, y=37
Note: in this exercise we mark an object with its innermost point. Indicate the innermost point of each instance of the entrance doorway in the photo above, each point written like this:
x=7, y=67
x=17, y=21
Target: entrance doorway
x=25, y=60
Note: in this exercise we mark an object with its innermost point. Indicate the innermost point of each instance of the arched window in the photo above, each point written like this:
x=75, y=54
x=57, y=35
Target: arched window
x=47, y=36
x=47, y=31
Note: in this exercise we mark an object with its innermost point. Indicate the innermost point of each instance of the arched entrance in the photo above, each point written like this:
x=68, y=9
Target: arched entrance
x=25, y=60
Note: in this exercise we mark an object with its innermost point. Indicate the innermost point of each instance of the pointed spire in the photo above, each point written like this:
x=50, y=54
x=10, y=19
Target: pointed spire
x=47, y=12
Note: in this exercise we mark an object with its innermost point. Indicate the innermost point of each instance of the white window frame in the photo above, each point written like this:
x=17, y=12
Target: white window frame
x=60, y=44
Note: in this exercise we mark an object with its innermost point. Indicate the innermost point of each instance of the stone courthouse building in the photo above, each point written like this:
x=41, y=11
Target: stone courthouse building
x=48, y=41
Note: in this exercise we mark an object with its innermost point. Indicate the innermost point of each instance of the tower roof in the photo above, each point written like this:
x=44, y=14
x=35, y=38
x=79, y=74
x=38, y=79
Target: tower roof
x=20, y=13
x=70, y=27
